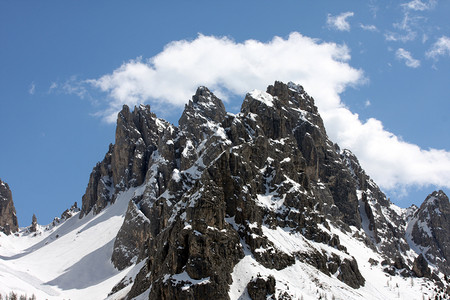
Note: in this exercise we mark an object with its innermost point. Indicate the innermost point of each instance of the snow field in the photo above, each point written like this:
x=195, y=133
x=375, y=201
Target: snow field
x=69, y=261
x=302, y=281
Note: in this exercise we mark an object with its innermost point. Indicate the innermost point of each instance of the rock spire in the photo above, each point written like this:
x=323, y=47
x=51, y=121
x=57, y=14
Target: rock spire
x=8, y=218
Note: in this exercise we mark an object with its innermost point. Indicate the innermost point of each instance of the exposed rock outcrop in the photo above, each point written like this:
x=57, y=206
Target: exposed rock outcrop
x=272, y=166
x=125, y=165
x=262, y=289
x=131, y=238
x=430, y=230
x=34, y=224
x=8, y=218
x=384, y=227
x=420, y=267
x=220, y=186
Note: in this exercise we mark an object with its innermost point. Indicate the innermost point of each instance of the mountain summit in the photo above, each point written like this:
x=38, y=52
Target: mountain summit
x=229, y=201
x=257, y=205
x=429, y=230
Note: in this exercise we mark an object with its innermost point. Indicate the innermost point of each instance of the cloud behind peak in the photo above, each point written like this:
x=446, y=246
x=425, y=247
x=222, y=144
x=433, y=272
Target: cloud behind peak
x=231, y=68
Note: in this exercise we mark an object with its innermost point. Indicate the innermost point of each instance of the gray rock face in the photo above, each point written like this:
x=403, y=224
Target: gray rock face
x=8, y=218
x=430, y=230
x=34, y=224
x=131, y=238
x=420, y=267
x=100, y=188
x=384, y=227
x=213, y=169
x=126, y=163
x=187, y=235
x=261, y=289
x=209, y=190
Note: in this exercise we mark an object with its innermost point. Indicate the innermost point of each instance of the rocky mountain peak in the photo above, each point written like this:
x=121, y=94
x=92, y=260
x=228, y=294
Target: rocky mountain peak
x=204, y=107
x=8, y=218
x=429, y=230
x=204, y=97
x=201, y=119
x=207, y=104
x=255, y=205
x=138, y=135
x=280, y=95
x=292, y=93
x=234, y=176
x=282, y=110
x=436, y=201
x=222, y=190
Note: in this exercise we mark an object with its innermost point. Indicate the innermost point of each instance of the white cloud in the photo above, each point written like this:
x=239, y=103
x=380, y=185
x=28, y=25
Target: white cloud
x=52, y=87
x=71, y=86
x=440, y=48
x=373, y=8
x=372, y=28
x=32, y=88
x=402, y=37
x=413, y=22
x=406, y=56
x=231, y=68
x=367, y=103
x=227, y=67
x=418, y=5
x=392, y=163
x=406, y=28
x=340, y=22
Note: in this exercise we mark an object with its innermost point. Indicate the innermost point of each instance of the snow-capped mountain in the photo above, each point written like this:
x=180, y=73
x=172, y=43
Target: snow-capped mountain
x=257, y=205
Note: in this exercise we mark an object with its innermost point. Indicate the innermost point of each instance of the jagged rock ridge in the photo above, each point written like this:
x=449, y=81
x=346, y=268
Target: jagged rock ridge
x=8, y=218
x=429, y=230
x=126, y=163
x=217, y=187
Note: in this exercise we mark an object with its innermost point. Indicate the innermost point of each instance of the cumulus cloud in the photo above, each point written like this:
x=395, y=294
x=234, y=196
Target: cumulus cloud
x=392, y=163
x=339, y=22
x=406, y=56
x=440, y=48
x=230, y=68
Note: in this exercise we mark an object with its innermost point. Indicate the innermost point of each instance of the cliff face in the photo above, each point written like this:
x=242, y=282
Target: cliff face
x=127, y=161
x=429, y=230
x=218, y=189
x=8, y=218
x=383, y=225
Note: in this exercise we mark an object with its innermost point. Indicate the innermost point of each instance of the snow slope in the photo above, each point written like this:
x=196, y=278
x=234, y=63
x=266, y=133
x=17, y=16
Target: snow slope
x=68, y=261
x=302, y=281
x=72, y=261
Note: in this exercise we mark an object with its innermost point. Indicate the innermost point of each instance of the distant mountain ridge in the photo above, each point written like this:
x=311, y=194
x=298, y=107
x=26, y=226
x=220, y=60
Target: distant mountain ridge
x=257, y=205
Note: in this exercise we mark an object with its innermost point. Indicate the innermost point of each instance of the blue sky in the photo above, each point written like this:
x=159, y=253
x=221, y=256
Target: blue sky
x=379, y=71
